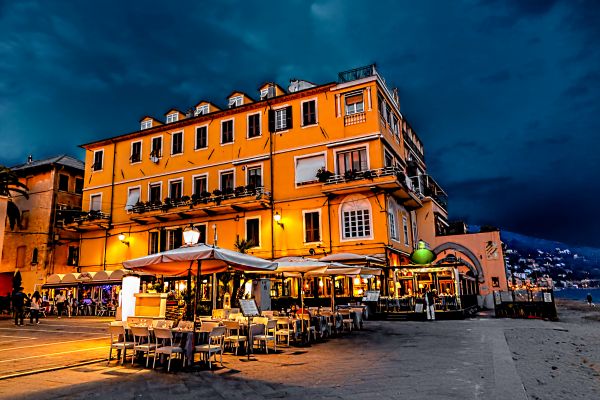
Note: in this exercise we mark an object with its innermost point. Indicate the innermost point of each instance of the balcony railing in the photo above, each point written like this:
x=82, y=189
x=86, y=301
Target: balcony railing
x=214, y=198
x=353, y=119
x=425, y=185
x=356, y=73
x=353, y=175
x=409, y=142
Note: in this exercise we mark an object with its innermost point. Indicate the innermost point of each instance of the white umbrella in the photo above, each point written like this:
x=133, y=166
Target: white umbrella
x=212, y=259
x=351, y=257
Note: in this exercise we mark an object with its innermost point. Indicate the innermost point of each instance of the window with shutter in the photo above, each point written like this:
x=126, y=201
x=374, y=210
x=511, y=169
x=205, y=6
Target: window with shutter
x=354, y=103
x=96, y=202
x=132, y=198
x=307, y=167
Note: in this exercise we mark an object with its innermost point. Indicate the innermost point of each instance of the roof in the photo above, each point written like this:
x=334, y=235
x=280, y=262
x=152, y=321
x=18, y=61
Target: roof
x=62, y=159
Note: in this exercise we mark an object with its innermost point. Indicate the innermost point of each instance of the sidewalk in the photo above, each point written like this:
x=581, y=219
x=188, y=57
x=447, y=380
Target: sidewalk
x=387, y=360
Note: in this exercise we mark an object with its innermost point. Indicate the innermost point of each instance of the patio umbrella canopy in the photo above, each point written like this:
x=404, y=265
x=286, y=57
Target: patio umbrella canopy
x=214, y=260
x=351, y=257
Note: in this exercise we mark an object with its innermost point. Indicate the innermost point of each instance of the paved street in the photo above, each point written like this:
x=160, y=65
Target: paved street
x=438, y=360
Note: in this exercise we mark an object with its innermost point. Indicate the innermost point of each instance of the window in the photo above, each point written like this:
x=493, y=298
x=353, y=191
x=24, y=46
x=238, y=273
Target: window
x=280, y=119
x=174, y=238
x=156, y=150
x=73, y=255
x=155, y=192
x=133, y=196
x=136, y=152
x=236, y=101
x=355, y=159
x=202, y=230
x=389, y=159
x=20, y=259
x=264, y=93
x=307, y=167
x=173, y=117
x=356, y=218
x=392, y=222
x=153, y=242
x=227, y=131
x=381, y=106
x=176, y=189
x=255, y=176
x=253, y=125
x=177, y=143
x=495, y=281
x=253, y=231
x=147, y=124
x=201, y=137
x=354, y=103
x=309, y=112
x=34, y=256
x=312, y=230
x=201, y=110
x=200, y=184
x=95, y=202
x=79, y=185
x=98, y=159
x=226, y=181
x=405, y=227
x=63, y=182
x=414, y=229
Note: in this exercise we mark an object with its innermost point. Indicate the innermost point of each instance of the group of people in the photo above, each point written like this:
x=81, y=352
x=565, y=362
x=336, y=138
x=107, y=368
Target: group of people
x=20, y=300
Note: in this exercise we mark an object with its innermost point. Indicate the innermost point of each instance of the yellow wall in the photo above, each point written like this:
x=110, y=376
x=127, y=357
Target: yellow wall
x=329, y=136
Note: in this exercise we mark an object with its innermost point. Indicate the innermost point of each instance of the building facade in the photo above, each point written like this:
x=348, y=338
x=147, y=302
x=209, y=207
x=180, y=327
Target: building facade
x=309, y=171
x=39, y=246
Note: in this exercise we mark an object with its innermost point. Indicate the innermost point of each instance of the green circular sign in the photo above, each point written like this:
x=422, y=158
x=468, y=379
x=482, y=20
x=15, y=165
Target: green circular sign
x=422, y=255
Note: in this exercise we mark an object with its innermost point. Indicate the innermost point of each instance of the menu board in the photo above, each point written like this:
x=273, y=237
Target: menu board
x=371, y=295
x=249, y=308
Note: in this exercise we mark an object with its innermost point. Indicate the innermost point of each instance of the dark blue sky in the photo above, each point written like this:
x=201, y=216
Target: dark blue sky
x=504, y=94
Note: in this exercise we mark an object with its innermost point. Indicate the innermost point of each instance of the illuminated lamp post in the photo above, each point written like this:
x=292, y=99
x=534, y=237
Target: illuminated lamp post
x=191, y=235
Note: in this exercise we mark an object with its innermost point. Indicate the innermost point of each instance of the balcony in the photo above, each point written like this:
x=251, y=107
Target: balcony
x=390, y=179
x=353, y=119
x=411, y=145
x=242, y=198
x=426, y=186
x=87, y=221
x=356, y=73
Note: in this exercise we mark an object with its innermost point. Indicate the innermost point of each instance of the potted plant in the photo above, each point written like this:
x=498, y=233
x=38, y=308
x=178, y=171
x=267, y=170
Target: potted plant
x=239, y=191
x=250, y=188
x=166, y=205
x=323, y=175
x=368, y=174
x=350, y=174
x=205, y=196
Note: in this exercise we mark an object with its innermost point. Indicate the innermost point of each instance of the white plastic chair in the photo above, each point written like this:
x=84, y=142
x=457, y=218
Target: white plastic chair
x=269, y=335
x=118, y=340
x=214, y=345
x=164, y=345
x=233, y=335
x=141, y=342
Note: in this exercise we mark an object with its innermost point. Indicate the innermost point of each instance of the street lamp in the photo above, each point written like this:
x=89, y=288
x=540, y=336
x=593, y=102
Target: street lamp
x=277, y=218
x=122, y=239
x=191, y=235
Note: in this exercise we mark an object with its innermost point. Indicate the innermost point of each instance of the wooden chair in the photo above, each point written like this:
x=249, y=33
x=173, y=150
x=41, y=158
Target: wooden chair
x=214, y=346
x=142, y=342
x=233, y=336
x=118, y=340
x=164, y=345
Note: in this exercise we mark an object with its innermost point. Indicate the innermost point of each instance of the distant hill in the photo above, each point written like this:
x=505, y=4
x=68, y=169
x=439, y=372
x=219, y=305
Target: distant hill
x=518, y=240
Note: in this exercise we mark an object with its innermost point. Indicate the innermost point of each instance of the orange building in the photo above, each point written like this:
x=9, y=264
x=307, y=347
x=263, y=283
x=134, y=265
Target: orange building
x=39, y=246
x=311, y=171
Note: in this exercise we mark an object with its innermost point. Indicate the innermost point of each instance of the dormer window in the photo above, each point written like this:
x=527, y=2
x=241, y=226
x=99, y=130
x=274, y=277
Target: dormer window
x=202, y=110
x=236, y=101
x=264, y=93
x=268, y=92
x=173, y=117
x=147, y=124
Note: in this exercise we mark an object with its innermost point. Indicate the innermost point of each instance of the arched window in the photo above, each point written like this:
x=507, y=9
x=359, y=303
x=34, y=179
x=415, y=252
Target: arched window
x=355, y=214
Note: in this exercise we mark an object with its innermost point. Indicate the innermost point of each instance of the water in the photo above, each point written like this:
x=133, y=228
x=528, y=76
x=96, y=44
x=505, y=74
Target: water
x=578, y=294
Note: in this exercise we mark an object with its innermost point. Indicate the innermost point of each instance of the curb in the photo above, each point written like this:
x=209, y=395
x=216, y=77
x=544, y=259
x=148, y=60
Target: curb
x=39, y=371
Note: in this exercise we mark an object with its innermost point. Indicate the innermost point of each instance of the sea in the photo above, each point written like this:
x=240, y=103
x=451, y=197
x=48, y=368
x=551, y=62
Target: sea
x=578, y=294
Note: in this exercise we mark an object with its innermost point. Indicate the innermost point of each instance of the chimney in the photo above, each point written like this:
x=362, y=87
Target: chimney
x=29, y=159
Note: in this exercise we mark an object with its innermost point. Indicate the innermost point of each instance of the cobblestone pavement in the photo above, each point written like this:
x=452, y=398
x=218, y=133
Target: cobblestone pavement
x=386, y=360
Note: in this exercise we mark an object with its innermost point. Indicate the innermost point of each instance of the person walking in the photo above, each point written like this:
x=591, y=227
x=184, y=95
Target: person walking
x=19, y=306
x=60, y=303
x=590, y=300
x=430, y=304
x=34, y=310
